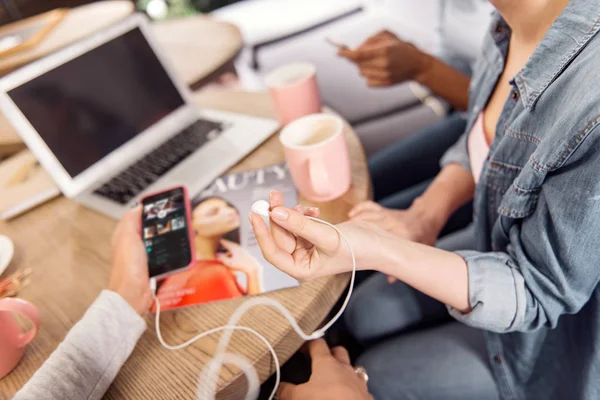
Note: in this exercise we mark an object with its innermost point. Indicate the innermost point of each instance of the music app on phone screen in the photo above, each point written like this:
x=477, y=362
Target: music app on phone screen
x=165, y=231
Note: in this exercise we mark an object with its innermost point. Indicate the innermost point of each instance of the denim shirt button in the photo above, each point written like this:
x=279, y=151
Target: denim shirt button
x=498, y=28
x=515, y=95
x=497, y=359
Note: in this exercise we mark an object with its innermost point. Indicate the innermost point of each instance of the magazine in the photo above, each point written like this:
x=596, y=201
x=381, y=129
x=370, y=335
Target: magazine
x=229, y=263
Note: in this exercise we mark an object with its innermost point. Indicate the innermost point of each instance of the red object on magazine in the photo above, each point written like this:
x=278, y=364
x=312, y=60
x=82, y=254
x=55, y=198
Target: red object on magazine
x=228, y=262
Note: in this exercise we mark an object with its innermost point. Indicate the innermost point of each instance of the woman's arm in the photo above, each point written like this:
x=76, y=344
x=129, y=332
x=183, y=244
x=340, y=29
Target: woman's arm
x=86, y=362
x=385, y=60
x=440, y=274
x=452, y=188
x=548, y=270
x=445, y=81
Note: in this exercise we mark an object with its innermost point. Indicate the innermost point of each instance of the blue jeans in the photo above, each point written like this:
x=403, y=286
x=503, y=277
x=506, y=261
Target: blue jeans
x=414, y=356
x=402, y=171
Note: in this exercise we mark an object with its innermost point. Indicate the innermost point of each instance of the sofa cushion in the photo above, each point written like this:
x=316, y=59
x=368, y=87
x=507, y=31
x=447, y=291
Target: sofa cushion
x=265, y=20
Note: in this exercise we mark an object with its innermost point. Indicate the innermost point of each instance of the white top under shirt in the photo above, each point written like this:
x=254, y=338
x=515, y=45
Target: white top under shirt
x=478, y=147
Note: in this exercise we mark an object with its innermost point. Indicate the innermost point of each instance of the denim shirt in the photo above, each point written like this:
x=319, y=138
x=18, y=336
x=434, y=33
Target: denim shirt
x=533, y=283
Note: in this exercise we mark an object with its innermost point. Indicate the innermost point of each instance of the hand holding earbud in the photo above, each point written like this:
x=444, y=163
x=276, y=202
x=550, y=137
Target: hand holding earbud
x=307, y=249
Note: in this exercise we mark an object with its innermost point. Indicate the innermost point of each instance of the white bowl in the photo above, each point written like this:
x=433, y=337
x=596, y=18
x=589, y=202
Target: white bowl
x=7, y=249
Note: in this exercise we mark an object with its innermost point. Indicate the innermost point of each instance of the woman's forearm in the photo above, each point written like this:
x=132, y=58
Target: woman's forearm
x=452, y=188
x=445, y=81
x=437, y=273
x=87, y=361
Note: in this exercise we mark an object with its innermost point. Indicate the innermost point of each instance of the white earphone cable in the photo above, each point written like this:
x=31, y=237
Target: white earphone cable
x=209, y=377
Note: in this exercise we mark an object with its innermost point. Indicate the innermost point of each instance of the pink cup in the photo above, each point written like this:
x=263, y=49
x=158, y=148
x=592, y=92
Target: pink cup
x=294, y=91
x=317, y=155
x=12, y=340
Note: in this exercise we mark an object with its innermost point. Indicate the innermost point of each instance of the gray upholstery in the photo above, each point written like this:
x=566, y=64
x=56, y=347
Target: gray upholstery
x=380, y=132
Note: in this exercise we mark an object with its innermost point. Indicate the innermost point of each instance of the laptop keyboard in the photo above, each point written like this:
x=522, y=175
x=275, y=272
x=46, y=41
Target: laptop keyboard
x=135, y=179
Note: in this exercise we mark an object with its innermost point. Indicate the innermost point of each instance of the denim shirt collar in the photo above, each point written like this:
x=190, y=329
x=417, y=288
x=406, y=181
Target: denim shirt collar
x=572, y=30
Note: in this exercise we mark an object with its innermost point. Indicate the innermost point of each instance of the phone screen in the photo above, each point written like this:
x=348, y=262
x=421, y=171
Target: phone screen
x=165, y=231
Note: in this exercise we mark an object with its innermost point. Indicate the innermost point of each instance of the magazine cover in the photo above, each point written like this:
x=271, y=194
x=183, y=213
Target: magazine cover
x=229, y=262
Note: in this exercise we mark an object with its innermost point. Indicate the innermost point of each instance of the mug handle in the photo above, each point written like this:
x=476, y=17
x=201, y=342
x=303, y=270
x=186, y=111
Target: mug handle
x=27, y=310
x=318, y=176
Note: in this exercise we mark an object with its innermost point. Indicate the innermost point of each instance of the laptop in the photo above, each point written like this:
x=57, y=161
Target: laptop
x=110, y=121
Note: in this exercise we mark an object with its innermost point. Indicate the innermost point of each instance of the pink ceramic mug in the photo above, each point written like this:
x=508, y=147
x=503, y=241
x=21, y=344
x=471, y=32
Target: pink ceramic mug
x=317, y=155
x=294, y=91
x=12, y=340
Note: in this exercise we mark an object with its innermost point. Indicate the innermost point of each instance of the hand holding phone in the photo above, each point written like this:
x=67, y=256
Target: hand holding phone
x=167, y=232
x=129, y=265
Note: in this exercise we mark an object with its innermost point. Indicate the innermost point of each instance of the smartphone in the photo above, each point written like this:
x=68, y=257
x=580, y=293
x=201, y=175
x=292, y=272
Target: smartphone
x=167, y=231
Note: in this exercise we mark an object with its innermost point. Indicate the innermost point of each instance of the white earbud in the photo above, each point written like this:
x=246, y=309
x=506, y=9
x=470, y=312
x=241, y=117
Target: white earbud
x=261, y=207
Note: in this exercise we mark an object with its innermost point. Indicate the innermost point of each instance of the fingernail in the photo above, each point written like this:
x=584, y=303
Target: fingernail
x=280, y=214
x=312, y=209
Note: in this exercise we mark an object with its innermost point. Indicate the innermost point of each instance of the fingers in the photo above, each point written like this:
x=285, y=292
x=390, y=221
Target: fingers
x=386, y=34
x=372, y=73
x=284, y=239
x=341, y=354
x=274, y=254
x=369, y=215
x=229, y=245
x=224, y=256
x=312, y=212
x=309, y=211
x=286, y=391
x=377, y=79
x=383, y=35
x=318, y=349
x=130, y=223
x=378, y=83
x=132, y=220
x=320, y=235
x=381, y=63
x=346, y=53
x=372, y=40
x=363, y=53
x=364, y=206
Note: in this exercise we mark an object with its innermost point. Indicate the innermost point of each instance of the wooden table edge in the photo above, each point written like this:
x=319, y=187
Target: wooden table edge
x=236, y=381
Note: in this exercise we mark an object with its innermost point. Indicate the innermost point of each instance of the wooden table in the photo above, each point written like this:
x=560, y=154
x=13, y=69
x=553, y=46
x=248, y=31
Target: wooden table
x=198, y=47
x=68, y=248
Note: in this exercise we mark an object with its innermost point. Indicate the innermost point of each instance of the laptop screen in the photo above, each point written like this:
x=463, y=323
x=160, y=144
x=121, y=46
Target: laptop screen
x=89, y=106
